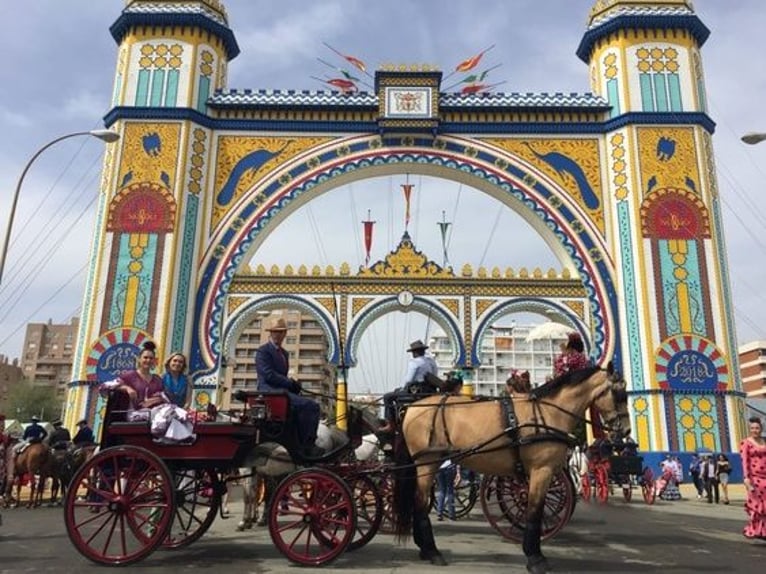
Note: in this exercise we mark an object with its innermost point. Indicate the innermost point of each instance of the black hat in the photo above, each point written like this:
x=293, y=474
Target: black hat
x=417, y=346
x=82, y=422
x=57, y=423
x=35, y=419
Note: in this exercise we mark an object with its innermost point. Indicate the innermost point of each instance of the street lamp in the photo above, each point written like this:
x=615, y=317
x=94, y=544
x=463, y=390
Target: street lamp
x=753, y=138
x=107, y=136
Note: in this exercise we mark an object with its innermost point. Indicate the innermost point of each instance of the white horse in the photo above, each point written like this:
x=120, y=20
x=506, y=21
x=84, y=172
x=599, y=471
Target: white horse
x=274, y=462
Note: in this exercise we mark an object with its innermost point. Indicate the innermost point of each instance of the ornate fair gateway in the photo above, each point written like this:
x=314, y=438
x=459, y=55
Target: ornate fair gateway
x=620, y=184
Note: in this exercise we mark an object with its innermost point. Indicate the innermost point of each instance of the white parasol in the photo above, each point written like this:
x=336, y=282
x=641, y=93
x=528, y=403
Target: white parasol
x=549, y=330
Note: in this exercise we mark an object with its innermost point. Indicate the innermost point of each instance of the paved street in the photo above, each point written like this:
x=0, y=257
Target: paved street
x=682, y=537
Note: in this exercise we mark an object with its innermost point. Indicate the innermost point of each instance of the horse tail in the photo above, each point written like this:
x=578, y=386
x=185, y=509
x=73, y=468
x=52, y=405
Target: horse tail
x=405, y=488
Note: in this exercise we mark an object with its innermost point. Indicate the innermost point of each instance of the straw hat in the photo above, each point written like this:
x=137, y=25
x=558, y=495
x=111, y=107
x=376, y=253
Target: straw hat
x=277, y=325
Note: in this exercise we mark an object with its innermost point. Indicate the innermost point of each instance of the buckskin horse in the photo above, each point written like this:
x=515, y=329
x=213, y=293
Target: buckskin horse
x=503, y=437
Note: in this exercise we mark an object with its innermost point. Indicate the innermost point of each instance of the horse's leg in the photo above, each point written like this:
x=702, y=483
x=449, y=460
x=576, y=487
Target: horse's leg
x=247, y=505
x=422, y=531
x=539, y=481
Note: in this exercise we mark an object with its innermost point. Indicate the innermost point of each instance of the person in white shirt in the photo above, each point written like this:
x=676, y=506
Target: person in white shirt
x=415, y=382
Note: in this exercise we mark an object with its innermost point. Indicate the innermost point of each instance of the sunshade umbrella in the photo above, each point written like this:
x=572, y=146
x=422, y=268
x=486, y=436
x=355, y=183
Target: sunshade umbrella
x=549, y=330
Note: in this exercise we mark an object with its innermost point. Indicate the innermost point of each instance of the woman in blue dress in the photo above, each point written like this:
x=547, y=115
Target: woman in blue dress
x=175, y=382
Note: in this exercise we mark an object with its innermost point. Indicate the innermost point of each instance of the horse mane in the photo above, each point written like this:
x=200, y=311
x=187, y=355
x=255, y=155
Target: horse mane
x=555, y=385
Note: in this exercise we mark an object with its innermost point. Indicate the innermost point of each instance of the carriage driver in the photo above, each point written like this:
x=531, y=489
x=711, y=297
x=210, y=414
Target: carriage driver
x=418, y=367
x=272, y=366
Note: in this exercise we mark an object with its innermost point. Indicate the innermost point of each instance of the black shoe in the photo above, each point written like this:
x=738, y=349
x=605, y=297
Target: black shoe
x=312, y=451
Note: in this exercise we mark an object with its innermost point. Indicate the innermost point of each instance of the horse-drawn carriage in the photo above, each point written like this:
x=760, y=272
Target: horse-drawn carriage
x=604, y=474
x=138, y=494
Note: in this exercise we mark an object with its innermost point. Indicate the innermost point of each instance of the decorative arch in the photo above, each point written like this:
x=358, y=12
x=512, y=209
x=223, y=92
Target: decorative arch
x=560, y=221
x=440, y=315
x=243, y=315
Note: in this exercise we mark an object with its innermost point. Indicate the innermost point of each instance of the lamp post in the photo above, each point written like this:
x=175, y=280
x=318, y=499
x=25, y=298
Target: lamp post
x=753, y=138
x=107, y=136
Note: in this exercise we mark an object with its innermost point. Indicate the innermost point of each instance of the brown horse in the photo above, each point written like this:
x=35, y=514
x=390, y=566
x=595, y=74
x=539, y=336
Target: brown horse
x=488, y=437
x=32, y=461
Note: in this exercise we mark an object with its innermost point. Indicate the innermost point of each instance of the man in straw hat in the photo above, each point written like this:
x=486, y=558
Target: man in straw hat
x=272, y=365
x=418, y=367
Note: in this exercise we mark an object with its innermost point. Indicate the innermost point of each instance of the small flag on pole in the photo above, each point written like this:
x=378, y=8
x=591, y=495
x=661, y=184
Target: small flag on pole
x=368, y=225
x=407, y=189
x=471, y=63
x=444, y=227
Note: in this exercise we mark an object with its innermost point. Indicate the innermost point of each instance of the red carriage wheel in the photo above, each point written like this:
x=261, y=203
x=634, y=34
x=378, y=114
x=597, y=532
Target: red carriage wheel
x=585, y=487
x=504, y=503
x=369, y=510
x=119, y=506
x=627, y=488
x=312, y=517
x=197, y=499
x=602, y=483
x=647, y=486
x=386, y=489
x=466, y=493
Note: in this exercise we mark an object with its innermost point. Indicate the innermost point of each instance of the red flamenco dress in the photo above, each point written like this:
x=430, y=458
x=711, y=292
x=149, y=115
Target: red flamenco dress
x=754, y=468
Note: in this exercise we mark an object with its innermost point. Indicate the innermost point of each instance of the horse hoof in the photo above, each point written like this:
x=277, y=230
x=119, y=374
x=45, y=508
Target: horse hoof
x=240, y=527
x=435, y=557
x=540, y=566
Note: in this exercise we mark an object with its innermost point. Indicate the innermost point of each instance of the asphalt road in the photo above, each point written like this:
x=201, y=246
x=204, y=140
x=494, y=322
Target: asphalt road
x=687, y=536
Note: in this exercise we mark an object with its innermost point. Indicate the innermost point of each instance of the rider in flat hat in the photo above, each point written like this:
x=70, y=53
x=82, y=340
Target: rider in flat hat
x=418, y=367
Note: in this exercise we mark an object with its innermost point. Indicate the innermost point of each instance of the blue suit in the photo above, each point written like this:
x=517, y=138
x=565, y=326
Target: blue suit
x=272, y=365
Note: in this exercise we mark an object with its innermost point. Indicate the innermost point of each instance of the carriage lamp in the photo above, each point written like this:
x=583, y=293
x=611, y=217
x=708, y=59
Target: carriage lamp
x=259, y=412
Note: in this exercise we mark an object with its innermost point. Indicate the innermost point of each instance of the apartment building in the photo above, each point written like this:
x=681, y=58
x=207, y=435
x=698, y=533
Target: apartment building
x=752, y=365
x=503, y=349
x=307, y=347
x=47, y=354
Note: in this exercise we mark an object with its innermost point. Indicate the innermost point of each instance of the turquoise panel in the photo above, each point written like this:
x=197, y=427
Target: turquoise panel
x=674, y=87
x=699, y=299
x=647, y=97
x=121, y=275
x=142, y=89
x=203, y=94
x=171, y=94
x=694, y=285
x=613, y=95
x=158, y=84
x=660, y=92
x=668, y=288
x=632, y=320
x=185, y=272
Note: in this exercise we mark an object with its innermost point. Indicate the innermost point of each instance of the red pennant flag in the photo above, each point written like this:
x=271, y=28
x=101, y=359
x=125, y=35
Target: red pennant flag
x=368, y=225
x=474, y=89
x=344, y=85
x=407, y=189
x=356, y=62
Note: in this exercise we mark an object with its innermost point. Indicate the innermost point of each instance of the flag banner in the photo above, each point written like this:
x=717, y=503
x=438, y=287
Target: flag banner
x=444, y=227
x=368, y=225
x=344, y=85
x=407, y=189
x=471, y=63
x=356, y=62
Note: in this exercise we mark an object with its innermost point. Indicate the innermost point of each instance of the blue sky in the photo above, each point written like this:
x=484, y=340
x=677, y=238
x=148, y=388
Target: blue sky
x=57, y=76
